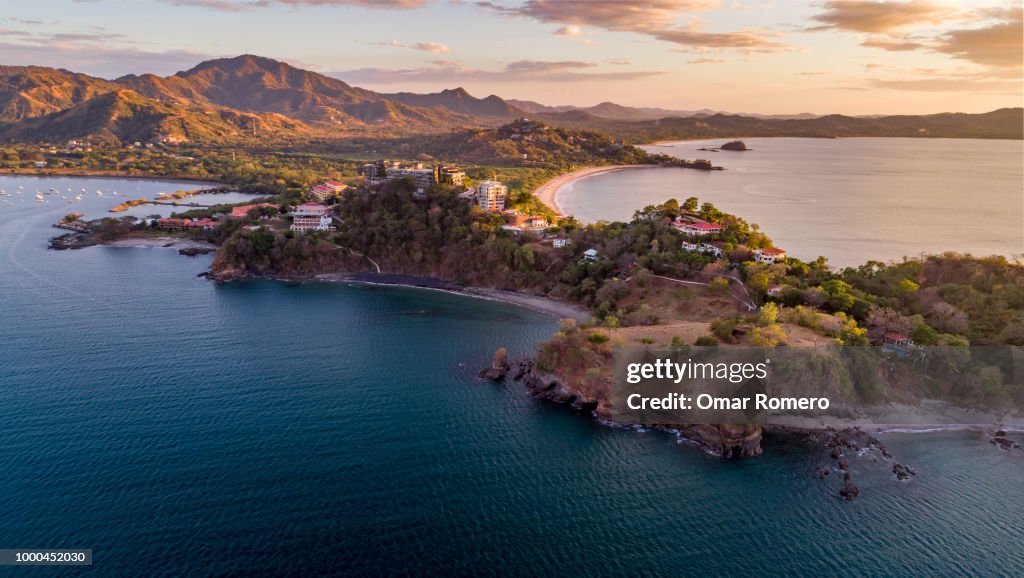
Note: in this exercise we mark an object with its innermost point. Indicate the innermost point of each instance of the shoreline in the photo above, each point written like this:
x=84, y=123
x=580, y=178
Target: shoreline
x=547, y=193
x=537, y=303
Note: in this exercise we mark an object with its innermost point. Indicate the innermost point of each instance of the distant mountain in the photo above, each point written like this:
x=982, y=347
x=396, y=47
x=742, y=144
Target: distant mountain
x=1005, y=123
x=613, y=111
x=231, y=99
x=126, y=116
x=29, y=91
x=262, y=85
x=460, y=101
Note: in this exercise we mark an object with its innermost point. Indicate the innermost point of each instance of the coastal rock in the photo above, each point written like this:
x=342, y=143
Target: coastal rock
x=499, y=366
x=548, y=387
x=726, y=440
x=903, y=472
x=849, y=491
x=193, y=251
x=1000, y=440
x=525, y=367
x=823, y=472
x=72, y=241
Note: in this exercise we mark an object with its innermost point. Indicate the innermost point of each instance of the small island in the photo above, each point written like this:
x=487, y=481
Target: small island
x=735, y=145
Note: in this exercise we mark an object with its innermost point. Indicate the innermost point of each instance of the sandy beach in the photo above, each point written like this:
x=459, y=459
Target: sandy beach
x=548, y=192
x=537, y=303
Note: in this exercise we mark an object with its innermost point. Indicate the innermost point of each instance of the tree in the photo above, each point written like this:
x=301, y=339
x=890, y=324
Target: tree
x=769, y=314
x=690, y=204
x=768, y=336
x=719, y=285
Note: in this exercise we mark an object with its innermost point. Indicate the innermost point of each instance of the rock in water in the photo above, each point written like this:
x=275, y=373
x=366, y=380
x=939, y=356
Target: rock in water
x=849, y=490
x=902, y=471
x=736, y=145
x=499, y=366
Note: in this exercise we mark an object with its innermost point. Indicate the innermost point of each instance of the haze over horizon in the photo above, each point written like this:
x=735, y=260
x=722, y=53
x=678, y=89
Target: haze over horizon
x=837, y=56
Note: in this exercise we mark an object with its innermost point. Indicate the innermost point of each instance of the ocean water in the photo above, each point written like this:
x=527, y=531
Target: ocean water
x=851, y=200
x=177, y=427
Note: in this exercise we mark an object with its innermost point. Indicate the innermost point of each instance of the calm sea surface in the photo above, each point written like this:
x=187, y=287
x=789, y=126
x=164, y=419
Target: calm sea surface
x=180, y=428
x=851, y=200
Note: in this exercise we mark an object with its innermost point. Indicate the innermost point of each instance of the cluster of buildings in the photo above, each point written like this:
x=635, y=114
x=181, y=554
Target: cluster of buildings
x=169, y=224
x=423, y=176
x=326, y=190
x=695, y=229
x=312, y=217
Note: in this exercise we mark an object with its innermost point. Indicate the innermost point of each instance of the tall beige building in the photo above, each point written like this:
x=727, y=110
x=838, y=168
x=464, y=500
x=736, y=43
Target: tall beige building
x=491, y=195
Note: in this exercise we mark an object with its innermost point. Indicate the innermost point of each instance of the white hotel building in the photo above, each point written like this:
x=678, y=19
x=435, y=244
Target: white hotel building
x=311, y=217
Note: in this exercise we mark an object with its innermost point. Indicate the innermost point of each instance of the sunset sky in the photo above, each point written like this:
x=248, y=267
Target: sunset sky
x=842, y=56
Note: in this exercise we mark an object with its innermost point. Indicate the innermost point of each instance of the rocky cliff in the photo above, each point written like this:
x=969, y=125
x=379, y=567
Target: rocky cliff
x=726, y=440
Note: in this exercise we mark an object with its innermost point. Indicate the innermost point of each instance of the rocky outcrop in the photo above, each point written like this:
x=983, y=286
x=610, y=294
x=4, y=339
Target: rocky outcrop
x=726, y=440
x=849, y=491
x=1000, y=440
x=194, y=251
x=903, y=472
x=499, y=366
x=548, y=387
x=722, y=439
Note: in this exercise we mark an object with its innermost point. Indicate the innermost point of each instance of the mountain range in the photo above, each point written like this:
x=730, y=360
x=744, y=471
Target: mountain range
x=252, y=98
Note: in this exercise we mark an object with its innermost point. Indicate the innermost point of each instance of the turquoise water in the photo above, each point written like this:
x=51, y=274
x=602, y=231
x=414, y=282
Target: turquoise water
x=850, y=200
x=177, y=427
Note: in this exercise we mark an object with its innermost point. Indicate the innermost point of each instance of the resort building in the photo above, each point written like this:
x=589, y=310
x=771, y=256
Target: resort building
x=243, y=211
x=698, y=229
x=774, y=290
x=326, y=190
x=490, y=195
x=311, y=217
x=591, y=255
x=769, y=255
x=689, y=246
x=561, y=243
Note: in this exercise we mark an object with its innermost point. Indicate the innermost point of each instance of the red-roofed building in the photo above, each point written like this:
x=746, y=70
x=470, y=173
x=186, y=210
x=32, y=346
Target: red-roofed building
x=774, y=290
x=769, y=255
x=698, y=229
x=326, y=190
